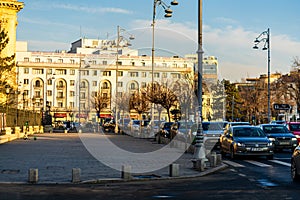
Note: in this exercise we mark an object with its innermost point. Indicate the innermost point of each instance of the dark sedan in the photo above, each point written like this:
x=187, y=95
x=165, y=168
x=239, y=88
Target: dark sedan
x=164, y=131
x=246, y=140
x=280, y=136
x=295, y=164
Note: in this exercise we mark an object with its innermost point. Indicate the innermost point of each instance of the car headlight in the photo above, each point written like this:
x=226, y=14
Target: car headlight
x=294, y=139
x=297, y=136
x=270, y=144
x=239, y=144
x=272, y=139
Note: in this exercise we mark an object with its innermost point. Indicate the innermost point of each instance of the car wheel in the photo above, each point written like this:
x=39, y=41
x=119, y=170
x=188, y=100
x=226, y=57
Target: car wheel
x=232, y=154
x=294, y=174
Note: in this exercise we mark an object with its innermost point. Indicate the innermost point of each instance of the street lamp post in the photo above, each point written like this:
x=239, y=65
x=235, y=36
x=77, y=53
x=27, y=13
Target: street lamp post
x=199, y=157
x=79, y=88
x=119, y=39
x=265, y=37
x=7, y=91
x=168, y=13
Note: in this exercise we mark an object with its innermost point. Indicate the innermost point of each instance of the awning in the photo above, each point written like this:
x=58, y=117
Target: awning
x=105, y=115
x=60, y=115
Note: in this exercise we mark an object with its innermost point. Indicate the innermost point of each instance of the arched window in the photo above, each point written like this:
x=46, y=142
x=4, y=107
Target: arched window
x=105, y=85
x=82, y=84
x=38, y=83
x=132, y=86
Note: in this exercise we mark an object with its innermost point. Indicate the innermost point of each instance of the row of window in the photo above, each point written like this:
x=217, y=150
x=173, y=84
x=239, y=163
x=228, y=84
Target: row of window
x=94, y=62
x=104, y=73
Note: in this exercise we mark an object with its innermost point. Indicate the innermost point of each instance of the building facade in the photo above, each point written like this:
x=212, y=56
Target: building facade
x=68, y=82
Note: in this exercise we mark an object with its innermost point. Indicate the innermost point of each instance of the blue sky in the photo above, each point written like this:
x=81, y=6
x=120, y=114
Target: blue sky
x=229, y=29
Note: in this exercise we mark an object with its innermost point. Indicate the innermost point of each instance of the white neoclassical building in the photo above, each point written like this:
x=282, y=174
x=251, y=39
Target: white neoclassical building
x=67, y=81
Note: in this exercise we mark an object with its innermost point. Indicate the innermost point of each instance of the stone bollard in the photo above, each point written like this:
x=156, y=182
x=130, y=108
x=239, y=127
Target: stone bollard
x=126, y=172
x=33, y=176
x=199, y=164
x=76, y=172
x=213, y=159
x=219, y=159
x=174, y=170
x=17, y=131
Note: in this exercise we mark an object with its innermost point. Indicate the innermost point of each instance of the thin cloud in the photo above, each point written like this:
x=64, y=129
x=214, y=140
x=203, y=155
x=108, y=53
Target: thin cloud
x=92, y=10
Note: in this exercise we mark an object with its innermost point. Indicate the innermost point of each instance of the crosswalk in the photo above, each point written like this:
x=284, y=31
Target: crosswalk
x=257, y=163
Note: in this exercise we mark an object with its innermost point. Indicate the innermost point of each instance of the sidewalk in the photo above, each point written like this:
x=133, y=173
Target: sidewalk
x=55, y=155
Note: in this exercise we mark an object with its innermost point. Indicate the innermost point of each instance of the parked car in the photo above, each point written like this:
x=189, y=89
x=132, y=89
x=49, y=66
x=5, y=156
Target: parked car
x=212, y=132
x=153, y=127
x=109, y=126
x=294, y=127
x=144, y=124
x=295, y=164
x=246, y=140
x=134, y=127
x=280, y=136
x=278, y=122
x=230, y=124
x=181, y=130
x=164, y=131
x=123, y=124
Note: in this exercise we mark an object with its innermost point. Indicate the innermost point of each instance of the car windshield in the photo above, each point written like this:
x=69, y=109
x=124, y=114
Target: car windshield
x=294, y=127
x=212, y=126
x=248, y=132
x=275, y=129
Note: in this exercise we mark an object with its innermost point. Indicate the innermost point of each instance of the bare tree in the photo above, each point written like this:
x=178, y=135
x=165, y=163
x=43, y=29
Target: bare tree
x=162, y=95
x=183, y=89
x=139, y=102
x=100, y=102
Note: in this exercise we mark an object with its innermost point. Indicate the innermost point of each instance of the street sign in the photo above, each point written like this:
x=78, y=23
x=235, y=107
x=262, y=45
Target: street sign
x=281, y=106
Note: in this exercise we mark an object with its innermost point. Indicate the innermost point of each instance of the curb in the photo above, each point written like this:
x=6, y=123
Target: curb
x=204, y=173
x=120, y=180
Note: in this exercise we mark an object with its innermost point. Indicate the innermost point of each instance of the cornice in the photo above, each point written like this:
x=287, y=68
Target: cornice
x=14, y=5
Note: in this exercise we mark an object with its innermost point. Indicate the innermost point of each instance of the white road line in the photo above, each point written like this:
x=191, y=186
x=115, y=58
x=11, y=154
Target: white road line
x=275, y=158
x=258, y=163
x=281, y=163
x=234, y=164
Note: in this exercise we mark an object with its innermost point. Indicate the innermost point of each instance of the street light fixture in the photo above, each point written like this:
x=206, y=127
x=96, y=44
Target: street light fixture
x=265, y=37
x=168, y=13
x=119, y=39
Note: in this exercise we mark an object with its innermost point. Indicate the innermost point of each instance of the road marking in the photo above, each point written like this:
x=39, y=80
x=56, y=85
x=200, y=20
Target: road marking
x=275, y=158
x=258, y=163
x=281, y=163
x=234, y=164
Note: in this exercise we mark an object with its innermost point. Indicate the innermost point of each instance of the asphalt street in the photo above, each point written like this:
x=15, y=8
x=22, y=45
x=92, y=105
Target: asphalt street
x=56, y=154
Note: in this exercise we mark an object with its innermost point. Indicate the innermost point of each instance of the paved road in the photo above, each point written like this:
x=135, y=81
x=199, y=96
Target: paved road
x=226, y=184
x=54, y=155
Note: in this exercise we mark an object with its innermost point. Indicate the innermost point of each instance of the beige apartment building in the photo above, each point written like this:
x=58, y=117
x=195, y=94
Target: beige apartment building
x=69, y=81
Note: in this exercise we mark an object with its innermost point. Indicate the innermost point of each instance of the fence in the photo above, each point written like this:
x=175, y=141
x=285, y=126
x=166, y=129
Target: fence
x=12, y=117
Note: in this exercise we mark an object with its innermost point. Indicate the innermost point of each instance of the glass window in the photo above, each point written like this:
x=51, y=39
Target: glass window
x=26, y=70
